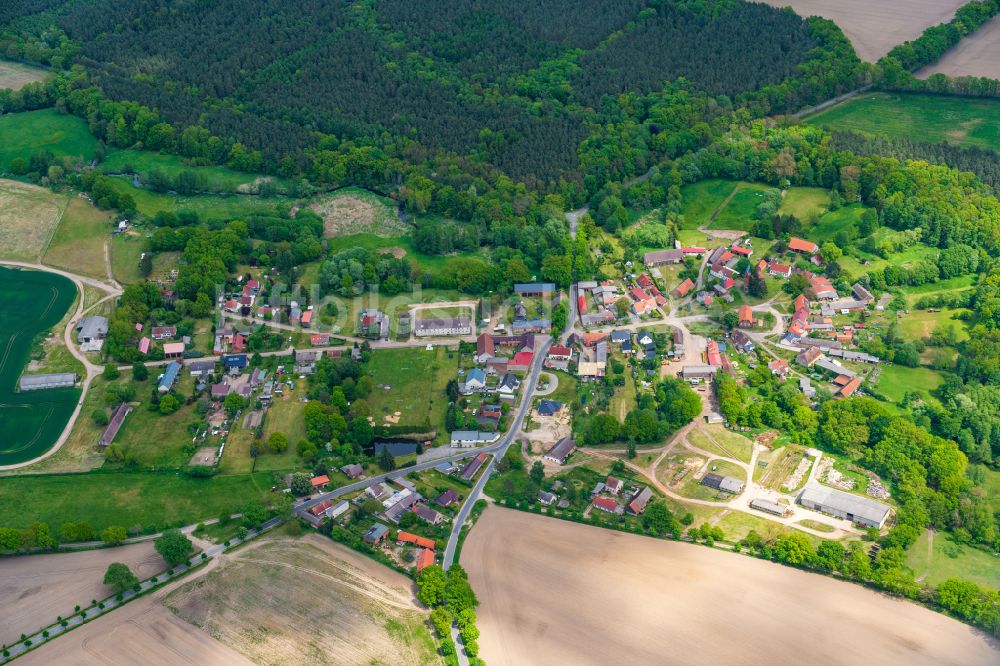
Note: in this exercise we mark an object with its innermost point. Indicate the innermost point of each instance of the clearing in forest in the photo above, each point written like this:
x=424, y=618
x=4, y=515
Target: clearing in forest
x=874, y=28
x=353, y=210
x=308, y=601
x=15, y=75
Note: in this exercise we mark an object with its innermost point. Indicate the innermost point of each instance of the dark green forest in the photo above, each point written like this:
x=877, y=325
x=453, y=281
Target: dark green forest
x=514, y=87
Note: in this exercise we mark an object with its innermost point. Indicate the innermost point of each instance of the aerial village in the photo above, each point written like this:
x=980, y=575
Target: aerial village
x=687, y=312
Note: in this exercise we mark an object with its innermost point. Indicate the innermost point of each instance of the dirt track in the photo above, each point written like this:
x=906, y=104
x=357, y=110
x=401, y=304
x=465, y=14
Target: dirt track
x=42, y=587
x=976, y=55
x=875, y=27
x=554, y=592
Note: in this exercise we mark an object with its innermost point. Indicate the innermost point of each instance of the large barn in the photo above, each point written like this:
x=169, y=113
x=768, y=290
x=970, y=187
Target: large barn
x=859, y=510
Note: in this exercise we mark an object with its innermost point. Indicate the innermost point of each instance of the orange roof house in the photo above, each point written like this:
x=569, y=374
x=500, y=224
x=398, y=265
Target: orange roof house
x=799, y=245
x=320, y=481
x=849, y=388
x=416, y=540
x=683, y=289
x=746, y=316
x=425, y=558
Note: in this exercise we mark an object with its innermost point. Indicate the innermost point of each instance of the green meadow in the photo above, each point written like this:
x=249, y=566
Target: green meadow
x=24, y=134
x=963, y=121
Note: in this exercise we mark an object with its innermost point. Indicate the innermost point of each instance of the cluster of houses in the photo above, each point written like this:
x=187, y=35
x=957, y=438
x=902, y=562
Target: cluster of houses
x=499, y=360
x=612, y=497
x=599, y=309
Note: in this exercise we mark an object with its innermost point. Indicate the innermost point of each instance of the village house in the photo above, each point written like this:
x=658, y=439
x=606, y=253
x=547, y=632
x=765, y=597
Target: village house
x=802, y=246
x=640, y=501
x=683, y=289
x=475, y=380
x=607, y=504
x=447, y=498
x=809, y=357
x=821, y=289
x=778, y=367
x=560, y=451
x=613, y=485
x=352, y=471
x=536, y=290
x=163, y=332
x=780, y=270
x=169, y=377
x=428, y=514
x=663, y=257
x=742, y=342
x=746, y=316
x=443, y=326
x=375, y=534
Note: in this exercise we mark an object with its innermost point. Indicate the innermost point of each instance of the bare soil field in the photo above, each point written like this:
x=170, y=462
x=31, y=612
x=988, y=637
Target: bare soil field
x=14, y=75
x=554, y=592
x=28, y=218
x=976, y=55
x=308, y=601
x=143, y=633
x=874, y=28
x=42, y=587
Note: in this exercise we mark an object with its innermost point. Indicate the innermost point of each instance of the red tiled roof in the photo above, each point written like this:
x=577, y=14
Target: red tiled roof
x=407, y=537
x=560, y=350
x=850, y=388
x=799, y=245
x=593, y=338
x=424, y=559
x=683, y=288
x=743, y=250
x=605, y=503
x=746, y=314
x=318, y=481
x=522, y=359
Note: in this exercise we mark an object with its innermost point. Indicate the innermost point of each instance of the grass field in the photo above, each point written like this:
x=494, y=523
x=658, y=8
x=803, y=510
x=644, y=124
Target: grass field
x=219, y=178
x=730, y=444
x=353, y=210
x=738, y=213
x=24, y=134
x=207, y=206
x=958, y=120
x=808, y=204
x=701, y=199
x=15, y=75
x=29, y=216
x=78, y=243
x=125, y=252
x=417, y=379
x=920, y=324
x=149, y=499
x=832, y=223
x=398, y=245
x=896, y=380
x=947, y=559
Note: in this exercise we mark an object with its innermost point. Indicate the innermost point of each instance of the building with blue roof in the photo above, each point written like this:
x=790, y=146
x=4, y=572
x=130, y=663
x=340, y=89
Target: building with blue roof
x=231, y=361
x=169, y=376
